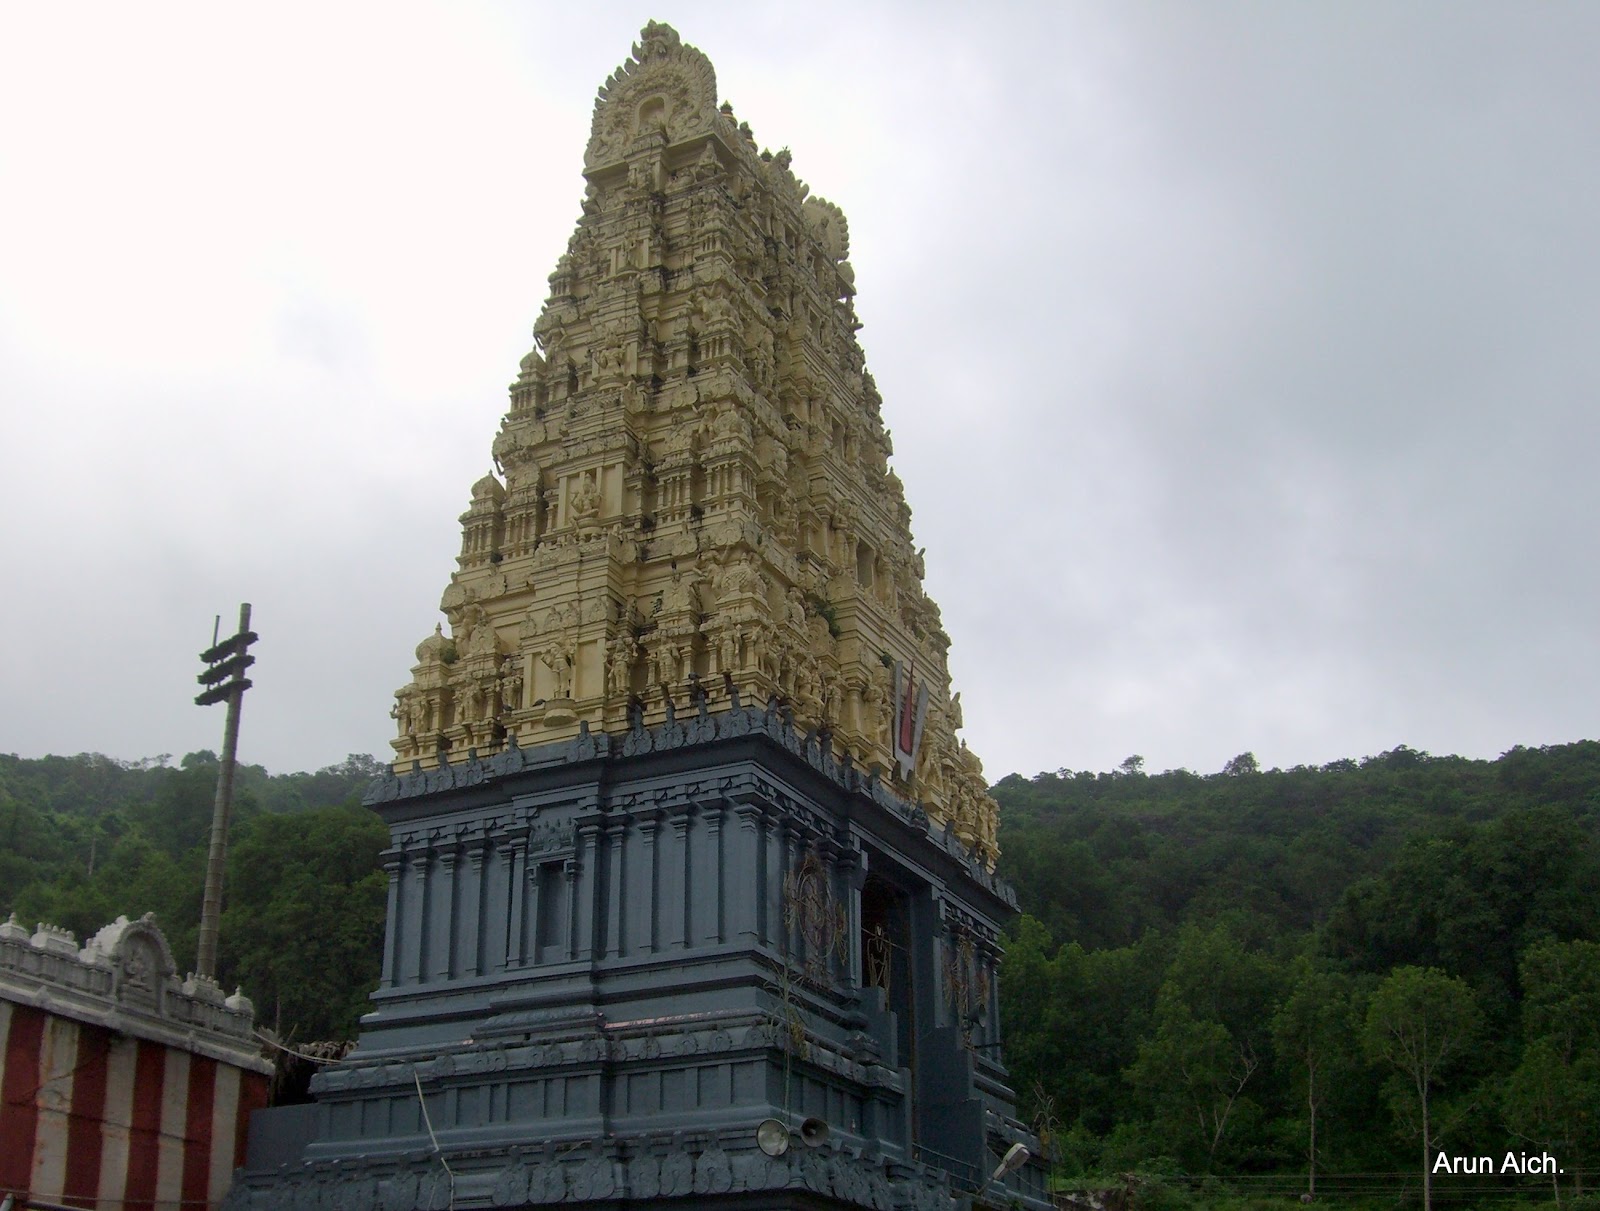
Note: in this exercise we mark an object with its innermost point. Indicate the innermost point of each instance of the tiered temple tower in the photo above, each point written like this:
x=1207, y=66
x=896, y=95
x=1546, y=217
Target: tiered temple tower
x=683, y=836
x=693, y=492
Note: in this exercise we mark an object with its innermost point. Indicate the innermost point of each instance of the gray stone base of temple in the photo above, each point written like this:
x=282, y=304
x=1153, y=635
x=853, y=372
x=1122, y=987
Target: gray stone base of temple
x=708, y=962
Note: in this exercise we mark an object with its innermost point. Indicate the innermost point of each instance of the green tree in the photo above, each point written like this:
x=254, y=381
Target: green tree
x=1552, y=1098
x=302, y=930
x=1244, y=763
x=1194, y=1073
x=1208, y=1042
x=1314, y=1030
x=1421, y=1022
x=1030, y=1004
x=1561, y=990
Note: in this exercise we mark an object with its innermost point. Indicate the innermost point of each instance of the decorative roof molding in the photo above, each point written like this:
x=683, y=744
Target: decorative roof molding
x=666, y=88
x=125, y=979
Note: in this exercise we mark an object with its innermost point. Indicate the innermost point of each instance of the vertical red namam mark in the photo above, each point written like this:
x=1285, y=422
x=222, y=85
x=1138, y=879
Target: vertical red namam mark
x=197, y=1131
x=144, y=1129
x=19, y=1104
x=252, y=1096
x=908, y=721
x=81, y=1187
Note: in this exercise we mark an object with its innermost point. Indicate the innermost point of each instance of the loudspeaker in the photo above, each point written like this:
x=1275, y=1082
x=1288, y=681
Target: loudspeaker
x=814, y=1132
x=772, y=1137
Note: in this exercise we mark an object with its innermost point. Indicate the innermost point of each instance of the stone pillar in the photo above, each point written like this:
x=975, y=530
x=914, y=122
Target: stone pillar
x=411, y=947
x=680, y=883
x=746, y=862
x=505, y=926
x=474, y=901
x=940, y=953
x=588, y=891
x=777, y=867
x=711, y=874
x=442, y=912
x=991, y=1034
x=394, y=867
x=615, y=881
x=649, y=932
x=572, y=873
x=854, y=869
x=528, y=952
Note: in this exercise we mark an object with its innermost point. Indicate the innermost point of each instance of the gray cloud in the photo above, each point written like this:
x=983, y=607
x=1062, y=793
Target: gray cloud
x=1239, y=358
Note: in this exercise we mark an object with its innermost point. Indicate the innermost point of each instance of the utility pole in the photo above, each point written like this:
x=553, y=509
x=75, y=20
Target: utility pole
x=228, y=660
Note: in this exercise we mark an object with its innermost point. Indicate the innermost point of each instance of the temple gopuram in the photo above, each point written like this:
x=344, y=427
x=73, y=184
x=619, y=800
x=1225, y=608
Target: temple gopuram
x=692, y=492
x=691, y=890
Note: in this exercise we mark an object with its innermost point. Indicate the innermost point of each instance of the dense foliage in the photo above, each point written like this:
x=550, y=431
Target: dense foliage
x=85, y=839
x=1309, y=971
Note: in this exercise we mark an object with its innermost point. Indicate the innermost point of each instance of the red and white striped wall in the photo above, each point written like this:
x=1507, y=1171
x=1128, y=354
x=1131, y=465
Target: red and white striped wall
x=93, y=1118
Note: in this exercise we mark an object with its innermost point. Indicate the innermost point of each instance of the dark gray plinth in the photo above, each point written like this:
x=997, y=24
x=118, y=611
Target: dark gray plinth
x=608, y=960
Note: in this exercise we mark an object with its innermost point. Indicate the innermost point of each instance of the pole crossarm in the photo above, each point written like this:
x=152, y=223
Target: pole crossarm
x=226, y=662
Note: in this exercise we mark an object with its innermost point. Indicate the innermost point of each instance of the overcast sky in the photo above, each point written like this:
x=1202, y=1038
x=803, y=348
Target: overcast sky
x=1241, y=359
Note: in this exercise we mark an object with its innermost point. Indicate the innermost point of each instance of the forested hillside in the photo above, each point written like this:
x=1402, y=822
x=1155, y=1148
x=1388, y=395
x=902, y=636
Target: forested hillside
x=1213, y=975
x=1210, y=968
x=84, y=839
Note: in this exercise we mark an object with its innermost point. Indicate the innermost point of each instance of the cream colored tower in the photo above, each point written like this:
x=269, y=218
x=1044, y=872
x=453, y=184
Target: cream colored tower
x=693, y=497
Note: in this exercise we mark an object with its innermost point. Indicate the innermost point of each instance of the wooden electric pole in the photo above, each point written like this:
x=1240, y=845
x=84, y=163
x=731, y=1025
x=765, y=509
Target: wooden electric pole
x=228, y=661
